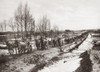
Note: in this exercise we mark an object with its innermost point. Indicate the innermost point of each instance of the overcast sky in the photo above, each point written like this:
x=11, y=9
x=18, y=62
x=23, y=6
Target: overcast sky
x=67, y=14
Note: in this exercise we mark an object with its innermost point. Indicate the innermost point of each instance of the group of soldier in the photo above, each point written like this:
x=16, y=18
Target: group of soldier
x=44, y=43
x=41, y=43
x=18, y=46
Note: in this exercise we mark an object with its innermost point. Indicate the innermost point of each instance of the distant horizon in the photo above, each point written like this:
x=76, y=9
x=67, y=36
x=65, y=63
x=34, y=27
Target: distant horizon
x=59, y=30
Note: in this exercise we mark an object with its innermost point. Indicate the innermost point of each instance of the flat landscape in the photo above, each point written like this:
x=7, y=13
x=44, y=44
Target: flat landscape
x=75, y=57
x=49, y=35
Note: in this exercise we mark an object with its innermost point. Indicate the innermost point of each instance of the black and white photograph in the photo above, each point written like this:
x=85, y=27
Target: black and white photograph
x=49, y=35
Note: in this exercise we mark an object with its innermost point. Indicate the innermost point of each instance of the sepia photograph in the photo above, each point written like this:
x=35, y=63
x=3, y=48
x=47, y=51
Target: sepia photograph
x=49, y=35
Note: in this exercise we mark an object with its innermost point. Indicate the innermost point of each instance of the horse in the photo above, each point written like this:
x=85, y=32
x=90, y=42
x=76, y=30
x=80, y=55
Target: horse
x=10, y=47
x=62, y=41
x=24, y=47
x=46, y=43
x=37, y=43
x=28, y=47
x=16, y=46
x=42, y=43
x=54, y=42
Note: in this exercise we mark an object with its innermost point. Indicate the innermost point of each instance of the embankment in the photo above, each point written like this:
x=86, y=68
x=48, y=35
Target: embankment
x=85, y=63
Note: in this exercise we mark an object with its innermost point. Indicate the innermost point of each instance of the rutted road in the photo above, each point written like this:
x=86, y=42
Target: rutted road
x=69, y=61
x=46, y=59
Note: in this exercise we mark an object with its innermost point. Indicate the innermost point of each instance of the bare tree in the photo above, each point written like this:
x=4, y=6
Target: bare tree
x=55, y=30
x=29, y=22
x=19, y=19
x=32, y=29
x=12, y=25
x=1, y=27
x=4, y=25
x=44, y=26
x=24, y=20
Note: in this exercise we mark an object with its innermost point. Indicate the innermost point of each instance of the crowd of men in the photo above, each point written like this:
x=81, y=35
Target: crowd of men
x=41, y=43
x=44, y=43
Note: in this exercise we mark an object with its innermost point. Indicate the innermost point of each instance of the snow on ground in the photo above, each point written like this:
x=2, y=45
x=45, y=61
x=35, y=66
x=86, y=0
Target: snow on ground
x=60, y=66
x=70, y=64
x=4, y=52
x=87, y=44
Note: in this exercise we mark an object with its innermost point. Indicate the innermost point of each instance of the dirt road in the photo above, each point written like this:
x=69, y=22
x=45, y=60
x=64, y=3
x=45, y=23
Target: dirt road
x=69, y=62
x=51, y=59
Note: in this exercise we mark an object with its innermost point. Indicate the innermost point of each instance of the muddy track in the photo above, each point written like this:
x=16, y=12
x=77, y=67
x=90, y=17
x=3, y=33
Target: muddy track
x=46, y=64
x=54, y=59
x=41, y=59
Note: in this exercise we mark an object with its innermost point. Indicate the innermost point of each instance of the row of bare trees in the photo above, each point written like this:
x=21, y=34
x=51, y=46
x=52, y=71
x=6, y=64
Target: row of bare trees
x=24, y=21
x=43, y=26
x=3, y=26
x=24, y=24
